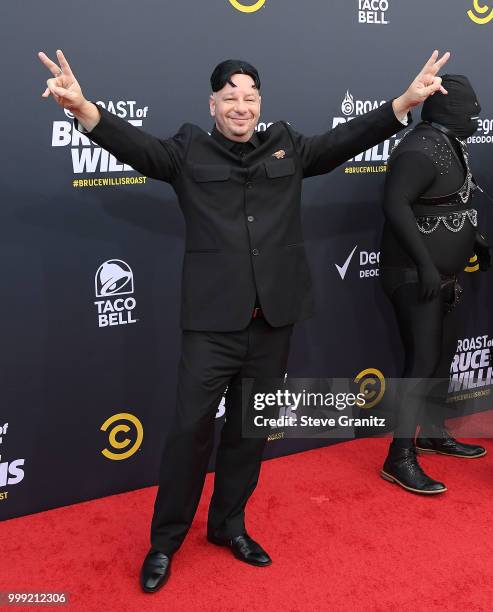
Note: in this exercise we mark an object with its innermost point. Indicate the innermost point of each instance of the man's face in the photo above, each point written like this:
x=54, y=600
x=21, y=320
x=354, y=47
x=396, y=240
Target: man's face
x=236, y=110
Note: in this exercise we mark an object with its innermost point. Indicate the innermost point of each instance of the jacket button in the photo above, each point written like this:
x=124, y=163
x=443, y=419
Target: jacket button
x=249, y=185
x=255, y=252
x=250, y=218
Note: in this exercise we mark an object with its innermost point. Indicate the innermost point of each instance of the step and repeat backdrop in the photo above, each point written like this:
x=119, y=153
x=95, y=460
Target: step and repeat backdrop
x=92, y=251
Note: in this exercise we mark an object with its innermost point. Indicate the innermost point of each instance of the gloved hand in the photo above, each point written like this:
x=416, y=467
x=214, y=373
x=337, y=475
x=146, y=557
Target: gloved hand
x=483, y=252
x=430, y=282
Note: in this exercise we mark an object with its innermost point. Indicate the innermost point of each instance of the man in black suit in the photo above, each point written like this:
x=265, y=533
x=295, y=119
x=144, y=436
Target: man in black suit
x=245, y=276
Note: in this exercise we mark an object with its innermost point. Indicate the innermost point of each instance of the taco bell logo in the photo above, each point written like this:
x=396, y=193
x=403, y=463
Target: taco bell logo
x=373, y=11
x=114, y=278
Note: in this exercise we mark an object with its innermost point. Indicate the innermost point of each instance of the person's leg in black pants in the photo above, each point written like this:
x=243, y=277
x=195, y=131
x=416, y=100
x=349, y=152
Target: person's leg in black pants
x=211, y=361
x=208, y=361
x=433, y=436
x=239, y=458
x=421, y=328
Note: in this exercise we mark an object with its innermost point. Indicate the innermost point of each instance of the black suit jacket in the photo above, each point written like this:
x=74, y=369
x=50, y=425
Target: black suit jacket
x=242, y=214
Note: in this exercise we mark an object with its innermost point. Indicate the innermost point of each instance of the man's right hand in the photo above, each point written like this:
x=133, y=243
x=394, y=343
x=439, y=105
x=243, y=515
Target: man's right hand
x=67, y=92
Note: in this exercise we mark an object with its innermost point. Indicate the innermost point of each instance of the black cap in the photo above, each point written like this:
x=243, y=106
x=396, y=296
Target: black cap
x=223, y=72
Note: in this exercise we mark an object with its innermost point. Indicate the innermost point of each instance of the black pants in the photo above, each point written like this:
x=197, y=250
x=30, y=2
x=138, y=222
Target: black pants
x=210, y=362
x=429, y=335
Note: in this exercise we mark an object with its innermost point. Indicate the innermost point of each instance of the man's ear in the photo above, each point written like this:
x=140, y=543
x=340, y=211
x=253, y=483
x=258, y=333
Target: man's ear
x=212, y=105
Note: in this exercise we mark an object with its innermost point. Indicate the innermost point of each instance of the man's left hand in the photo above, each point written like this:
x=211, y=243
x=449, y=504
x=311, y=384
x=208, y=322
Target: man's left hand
x=425, y=84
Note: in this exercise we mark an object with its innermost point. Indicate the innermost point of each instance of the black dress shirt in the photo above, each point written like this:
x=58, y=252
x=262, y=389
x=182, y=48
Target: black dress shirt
x=240, y=149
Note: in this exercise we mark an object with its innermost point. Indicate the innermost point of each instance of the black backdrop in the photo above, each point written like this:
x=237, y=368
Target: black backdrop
x=66, y=210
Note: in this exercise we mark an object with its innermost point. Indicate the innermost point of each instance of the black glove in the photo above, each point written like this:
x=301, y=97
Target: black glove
x=430, y=282
x=483, y=252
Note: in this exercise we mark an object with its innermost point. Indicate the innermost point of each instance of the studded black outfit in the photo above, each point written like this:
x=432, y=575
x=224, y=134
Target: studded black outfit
x=430, y=223
x=428, y=206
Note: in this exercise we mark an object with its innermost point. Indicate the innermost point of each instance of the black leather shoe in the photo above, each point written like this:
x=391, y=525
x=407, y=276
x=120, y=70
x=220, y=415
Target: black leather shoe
x=402, y=467
x=155, y=571
x=444, y=444
x=243, y=548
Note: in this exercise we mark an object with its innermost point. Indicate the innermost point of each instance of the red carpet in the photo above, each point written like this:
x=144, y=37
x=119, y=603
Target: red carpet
x=340, y=537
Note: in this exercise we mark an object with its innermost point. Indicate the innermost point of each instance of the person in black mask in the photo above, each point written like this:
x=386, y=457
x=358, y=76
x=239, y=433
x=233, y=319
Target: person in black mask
x=429, y=235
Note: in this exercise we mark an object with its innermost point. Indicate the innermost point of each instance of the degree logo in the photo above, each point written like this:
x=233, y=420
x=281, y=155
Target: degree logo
x=120, y=445
x=481, y=10
x=252, y=8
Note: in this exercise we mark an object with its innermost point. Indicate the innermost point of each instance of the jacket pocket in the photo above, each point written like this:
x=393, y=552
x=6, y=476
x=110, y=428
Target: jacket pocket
x=279, y=167
x=204, y=173
x=201, y=250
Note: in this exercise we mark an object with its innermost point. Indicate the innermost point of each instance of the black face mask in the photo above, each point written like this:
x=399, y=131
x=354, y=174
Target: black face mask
x=458, y=111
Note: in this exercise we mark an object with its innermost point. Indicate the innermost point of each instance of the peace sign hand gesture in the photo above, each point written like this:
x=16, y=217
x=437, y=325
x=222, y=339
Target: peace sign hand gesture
x=63, y=86
x=424, y=85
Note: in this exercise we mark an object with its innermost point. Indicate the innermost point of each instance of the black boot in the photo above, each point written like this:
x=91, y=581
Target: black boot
x=440, y=441
x=402, y=467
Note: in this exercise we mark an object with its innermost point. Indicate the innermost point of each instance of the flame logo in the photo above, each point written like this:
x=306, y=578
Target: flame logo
x=347, y=105
x=120, y=445
x=247, y=9
x=481, y=10
x=374, y=378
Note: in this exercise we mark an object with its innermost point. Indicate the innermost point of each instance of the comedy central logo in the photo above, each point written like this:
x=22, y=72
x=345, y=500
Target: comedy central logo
x=480, y=13
x=247, y=8
x=473, y=265
x=122, y=447
x=114, y=278
x=372, y=385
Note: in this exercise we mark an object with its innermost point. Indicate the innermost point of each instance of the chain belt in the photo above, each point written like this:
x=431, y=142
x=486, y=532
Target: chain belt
x=454, y=222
